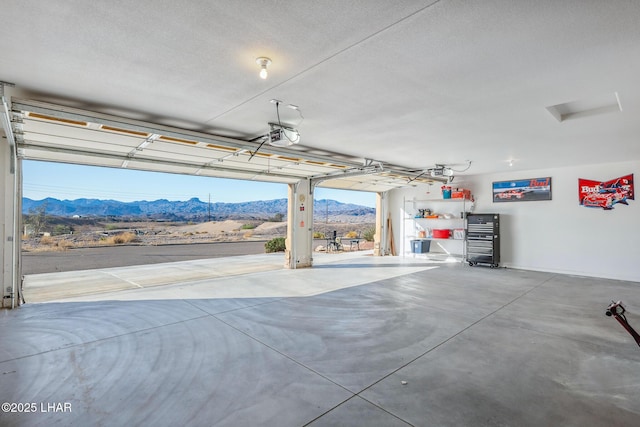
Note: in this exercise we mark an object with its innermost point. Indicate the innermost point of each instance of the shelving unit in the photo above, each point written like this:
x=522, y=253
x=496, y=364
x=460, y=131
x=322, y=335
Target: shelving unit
x=416, y=228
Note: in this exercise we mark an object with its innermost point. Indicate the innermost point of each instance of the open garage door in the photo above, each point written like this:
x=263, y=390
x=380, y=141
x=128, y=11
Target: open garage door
x=53, y=133
x=61, y=134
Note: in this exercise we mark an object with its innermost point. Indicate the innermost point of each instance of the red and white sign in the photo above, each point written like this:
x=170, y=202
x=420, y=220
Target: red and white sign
x=605, y=194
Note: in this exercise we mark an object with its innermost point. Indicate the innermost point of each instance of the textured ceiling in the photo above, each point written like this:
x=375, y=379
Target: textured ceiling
x=408, y=83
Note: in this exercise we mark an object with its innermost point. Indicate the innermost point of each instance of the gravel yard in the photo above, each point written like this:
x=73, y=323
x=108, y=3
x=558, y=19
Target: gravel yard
x=126, y=244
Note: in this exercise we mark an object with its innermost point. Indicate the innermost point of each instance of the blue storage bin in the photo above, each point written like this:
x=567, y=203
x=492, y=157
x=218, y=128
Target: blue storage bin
x=420, y=246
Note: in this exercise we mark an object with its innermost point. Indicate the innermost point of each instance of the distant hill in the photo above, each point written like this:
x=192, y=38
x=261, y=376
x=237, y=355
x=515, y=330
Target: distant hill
x=190, y=210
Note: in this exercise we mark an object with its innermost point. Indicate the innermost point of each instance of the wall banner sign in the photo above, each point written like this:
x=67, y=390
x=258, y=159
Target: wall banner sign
x=522, y=190
x=605, y=194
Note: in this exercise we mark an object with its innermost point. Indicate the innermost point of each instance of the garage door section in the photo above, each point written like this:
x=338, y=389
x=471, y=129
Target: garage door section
x=54, y=133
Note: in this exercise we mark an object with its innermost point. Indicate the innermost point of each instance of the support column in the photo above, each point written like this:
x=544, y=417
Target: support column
x=379, y=246
x=9, y=220
x=299, y=242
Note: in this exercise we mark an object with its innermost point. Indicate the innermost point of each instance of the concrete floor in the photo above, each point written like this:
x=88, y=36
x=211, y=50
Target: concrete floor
x=355, y=341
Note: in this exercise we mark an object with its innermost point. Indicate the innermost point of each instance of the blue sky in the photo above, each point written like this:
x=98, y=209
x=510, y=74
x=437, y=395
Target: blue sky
x=65, y=181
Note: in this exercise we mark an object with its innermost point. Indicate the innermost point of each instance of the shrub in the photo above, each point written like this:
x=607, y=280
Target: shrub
x=318, y=235
x=275, y=245
x=369, y=234
x=276, y=218
x=47, y=240
x=65, y=244
x=119, y=239
x=351, y=235
x=248, y=227
x=61, y=229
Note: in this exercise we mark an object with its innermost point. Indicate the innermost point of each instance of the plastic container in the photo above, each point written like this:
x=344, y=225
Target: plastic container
x=446, y=193
x=420, y=246
x=461, y=193
x=441, y=233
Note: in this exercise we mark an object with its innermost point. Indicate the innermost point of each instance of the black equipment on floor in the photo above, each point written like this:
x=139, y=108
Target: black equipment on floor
x=616, y=310
x=483, y=239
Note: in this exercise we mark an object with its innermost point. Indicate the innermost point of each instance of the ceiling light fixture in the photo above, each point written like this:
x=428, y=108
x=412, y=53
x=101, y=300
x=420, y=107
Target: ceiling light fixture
x=263, y=62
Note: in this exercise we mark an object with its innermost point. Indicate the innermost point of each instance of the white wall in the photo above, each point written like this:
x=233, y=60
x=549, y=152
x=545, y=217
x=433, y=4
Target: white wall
x=560, y=235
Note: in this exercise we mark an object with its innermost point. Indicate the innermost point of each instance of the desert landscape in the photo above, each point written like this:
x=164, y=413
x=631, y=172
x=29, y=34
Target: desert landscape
x=58, y=225
x=82, y=234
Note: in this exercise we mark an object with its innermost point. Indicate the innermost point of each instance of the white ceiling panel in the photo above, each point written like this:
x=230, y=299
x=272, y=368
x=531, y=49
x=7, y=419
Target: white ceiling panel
x=408, y=83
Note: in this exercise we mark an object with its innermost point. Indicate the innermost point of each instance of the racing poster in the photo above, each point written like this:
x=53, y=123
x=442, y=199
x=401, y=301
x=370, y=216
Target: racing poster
x=522, y=190
x=607, y=194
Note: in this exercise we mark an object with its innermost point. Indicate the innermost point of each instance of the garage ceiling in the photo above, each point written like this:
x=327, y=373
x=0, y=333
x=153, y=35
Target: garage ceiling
x=408, y=83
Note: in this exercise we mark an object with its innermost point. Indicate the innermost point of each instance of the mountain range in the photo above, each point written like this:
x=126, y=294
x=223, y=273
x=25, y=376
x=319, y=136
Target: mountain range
x=187, y=210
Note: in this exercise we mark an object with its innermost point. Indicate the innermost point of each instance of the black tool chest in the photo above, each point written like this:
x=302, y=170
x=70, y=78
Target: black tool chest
x=483, y=239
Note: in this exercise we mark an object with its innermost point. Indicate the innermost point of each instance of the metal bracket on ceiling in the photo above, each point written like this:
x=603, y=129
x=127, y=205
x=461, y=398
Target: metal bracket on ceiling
x=370, y=167
x=2, y=85
x=430, y=176
x=139, y=148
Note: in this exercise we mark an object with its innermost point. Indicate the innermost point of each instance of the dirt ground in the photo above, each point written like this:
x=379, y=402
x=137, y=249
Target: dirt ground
x=166, y=233
x=153, y=242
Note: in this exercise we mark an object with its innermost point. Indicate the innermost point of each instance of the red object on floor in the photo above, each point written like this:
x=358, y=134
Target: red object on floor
x=616, y=310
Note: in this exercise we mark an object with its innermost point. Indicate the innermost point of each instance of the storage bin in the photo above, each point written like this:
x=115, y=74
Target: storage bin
x=460, y=193
x=420, y=246
x=441, y=234
x=446, y=194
